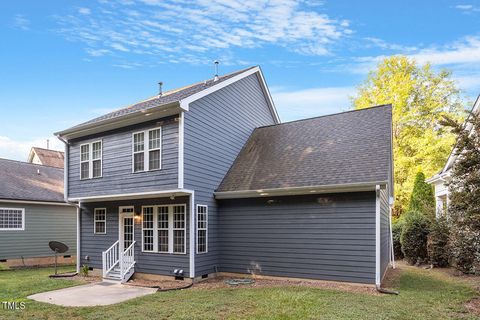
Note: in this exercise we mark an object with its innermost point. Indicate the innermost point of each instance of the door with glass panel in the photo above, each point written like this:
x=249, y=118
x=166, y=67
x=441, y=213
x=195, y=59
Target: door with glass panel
x=127, y=226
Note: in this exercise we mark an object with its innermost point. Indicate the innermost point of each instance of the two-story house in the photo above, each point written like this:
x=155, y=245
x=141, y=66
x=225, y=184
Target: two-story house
x=205, y=180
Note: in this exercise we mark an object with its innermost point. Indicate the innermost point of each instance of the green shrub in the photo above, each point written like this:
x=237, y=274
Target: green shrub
x=397, y=228
x=465, y=248
x=422, y=198
x=414, y=237
x=437, y=246
x=84, y=270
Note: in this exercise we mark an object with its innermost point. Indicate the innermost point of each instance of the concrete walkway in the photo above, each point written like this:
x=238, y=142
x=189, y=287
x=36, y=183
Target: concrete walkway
x=89, y=295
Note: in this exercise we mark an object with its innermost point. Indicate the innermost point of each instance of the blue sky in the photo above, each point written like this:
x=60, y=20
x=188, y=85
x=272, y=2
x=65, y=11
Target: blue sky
x=64, y=62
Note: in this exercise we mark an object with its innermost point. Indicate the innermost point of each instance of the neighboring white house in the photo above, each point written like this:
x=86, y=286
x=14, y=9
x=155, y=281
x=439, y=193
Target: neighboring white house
x=440, y=180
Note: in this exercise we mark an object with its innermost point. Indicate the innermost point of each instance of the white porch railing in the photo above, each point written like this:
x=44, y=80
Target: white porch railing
x=117, y=262
x=127, y=260
x=110, y=258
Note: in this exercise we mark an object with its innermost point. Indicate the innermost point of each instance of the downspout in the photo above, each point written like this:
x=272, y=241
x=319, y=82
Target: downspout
x=392, y=252
x=192, y=236
x=65, y=195
x=377, y=245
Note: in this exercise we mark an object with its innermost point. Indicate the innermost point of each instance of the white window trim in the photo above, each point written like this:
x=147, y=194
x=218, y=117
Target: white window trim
x=154, y=232
x=95, y=220
x=146, y=150
x=90, y=160
x=170, y=229
x=206, y=227
x=23, y=220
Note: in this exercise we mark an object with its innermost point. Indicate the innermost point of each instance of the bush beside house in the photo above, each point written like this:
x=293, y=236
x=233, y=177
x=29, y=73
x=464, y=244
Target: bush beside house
x=414, y=237
x=437, y=244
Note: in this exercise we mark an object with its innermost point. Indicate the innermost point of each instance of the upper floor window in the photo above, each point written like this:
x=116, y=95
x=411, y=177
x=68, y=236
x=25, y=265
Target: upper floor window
x=147, y=150
x=91, y=160
x=12, y=219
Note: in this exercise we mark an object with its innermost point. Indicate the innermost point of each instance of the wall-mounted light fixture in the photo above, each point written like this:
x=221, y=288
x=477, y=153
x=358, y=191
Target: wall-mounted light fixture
x=137, y=217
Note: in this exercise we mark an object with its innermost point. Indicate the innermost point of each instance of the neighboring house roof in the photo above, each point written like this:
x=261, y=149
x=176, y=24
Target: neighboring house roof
x=46, y=157
x=31, y=182
x=348, y=148
x=178, y=97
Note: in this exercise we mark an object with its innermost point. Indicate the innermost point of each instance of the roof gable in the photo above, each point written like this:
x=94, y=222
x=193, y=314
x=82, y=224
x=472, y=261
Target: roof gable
x=346, y=148
x=47, y=157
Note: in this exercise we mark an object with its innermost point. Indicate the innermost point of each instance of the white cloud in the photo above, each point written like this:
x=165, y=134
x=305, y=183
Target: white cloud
x=21, y=22
x=293, y=105
x=84, y=11
x=19, y=149
x=467, y=8
x=177, y=28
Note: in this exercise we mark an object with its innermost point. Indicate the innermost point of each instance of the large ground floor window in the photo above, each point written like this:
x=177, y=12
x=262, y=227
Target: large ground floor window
x=164, y=228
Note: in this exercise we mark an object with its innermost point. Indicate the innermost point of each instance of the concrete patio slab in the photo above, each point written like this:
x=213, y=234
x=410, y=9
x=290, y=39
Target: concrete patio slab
x=89, y=295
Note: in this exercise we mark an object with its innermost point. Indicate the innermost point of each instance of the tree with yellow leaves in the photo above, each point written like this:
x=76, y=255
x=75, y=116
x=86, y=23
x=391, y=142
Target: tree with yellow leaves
x=421, y=98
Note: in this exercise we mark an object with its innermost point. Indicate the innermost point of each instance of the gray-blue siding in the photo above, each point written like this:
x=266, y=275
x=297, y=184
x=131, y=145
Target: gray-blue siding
x=385, y=245
x=329, y=237
x=117, y=175
x=92, y=245
x=216, y=128
x=43, y=223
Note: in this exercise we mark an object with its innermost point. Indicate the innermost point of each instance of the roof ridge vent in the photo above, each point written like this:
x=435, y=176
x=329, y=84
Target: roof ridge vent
x=215, y=78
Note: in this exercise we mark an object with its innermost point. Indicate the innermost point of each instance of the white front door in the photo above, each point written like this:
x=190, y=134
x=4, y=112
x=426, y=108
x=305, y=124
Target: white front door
x=126, y=227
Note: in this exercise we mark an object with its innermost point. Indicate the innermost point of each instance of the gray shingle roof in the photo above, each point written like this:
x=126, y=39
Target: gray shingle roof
x=51, y=158
x=167, y=97
x=343, y=148
x=28, y=181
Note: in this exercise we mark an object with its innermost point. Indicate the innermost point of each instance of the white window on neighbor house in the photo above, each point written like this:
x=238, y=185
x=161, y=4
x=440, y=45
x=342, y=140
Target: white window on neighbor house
x=100, y=221
x=202, y=228
x=12, y=219
x=164, y=229
x=147, y=150
x=91, y=160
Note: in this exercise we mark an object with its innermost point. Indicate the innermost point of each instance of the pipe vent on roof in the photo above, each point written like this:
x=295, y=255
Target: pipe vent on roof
x=215, y=78
x=160, y=84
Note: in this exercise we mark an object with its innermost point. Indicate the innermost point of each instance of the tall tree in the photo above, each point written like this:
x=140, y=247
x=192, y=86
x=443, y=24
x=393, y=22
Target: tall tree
x=464, y=189
x=420, y=98
x=422, y=198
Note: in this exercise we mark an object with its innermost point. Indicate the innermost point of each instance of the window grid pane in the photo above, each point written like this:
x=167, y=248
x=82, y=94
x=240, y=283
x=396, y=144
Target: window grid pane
x=148, y=228
x=138, y=142
x=202, y=218
x=100, y=217
x=84, y=171
x=154, y=160
x=97, y=168
x=11, y=219
x=162, y=225
x=138, y=162
x=154, y=139
x=84, y=152
x=96, y=150
x=178, y=229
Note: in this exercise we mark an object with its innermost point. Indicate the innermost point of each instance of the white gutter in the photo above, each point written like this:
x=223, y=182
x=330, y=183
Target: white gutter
x=191, y=245
x=50, y=203
x=136, y=195
x=346, y=187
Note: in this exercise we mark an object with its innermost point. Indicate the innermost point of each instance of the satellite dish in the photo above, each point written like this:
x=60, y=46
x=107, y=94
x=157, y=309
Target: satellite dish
x=57, y=247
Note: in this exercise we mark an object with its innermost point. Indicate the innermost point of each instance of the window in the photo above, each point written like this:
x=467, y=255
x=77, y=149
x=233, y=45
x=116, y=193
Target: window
x=164, y=229
x=12, y=219
x=148, y=229
x=179, y=229
x=202, y=225
x=91, y=160
x=100, y=221
x=147, y=150
x=163, y=223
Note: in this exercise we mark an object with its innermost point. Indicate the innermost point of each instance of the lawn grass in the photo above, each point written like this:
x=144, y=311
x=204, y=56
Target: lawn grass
x=424, y=294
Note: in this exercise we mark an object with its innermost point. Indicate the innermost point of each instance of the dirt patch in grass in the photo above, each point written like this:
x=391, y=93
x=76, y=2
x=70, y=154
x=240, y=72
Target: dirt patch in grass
x=392, y=278
x=219, y=283
x=161, y=284
x=474, y=306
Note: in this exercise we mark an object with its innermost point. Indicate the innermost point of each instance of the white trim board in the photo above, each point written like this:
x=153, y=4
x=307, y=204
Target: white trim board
x=135, y=195
x=49, y=203
x=348, y=187
x=185, y=103
x=378, y=279
x=181, y=139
